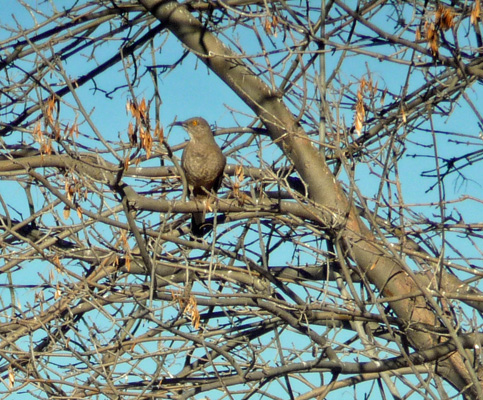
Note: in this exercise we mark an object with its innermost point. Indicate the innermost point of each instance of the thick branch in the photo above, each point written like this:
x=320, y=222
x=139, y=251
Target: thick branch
x=382, y=268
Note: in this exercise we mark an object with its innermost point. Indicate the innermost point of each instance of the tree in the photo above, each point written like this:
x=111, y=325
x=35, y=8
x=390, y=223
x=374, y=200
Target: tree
x=344, y=246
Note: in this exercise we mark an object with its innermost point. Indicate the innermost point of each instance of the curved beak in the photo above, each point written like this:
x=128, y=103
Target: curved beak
x=178, y=123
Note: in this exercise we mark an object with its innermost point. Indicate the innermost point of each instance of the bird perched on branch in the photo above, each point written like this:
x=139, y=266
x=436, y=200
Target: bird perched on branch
x=203, y=163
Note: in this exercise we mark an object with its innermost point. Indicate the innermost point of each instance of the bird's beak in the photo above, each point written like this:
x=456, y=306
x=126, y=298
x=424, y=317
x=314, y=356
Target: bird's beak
x=178, y=123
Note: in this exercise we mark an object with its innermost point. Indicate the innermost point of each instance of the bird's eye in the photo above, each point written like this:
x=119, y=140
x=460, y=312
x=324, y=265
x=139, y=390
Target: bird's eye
x=195, y=122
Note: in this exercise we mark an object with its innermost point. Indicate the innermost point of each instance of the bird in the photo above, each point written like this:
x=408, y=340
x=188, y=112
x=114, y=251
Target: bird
x=203, y=164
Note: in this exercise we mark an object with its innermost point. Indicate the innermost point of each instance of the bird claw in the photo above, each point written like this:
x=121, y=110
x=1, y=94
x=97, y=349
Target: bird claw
x=208, y=206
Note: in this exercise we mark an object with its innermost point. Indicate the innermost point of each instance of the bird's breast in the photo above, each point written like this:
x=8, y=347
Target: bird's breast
x=203, y=165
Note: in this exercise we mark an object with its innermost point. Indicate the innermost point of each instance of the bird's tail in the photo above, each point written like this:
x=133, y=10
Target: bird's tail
x=197, y=224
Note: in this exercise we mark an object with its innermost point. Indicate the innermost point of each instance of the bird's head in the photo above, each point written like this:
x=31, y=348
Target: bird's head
x=196, y=127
